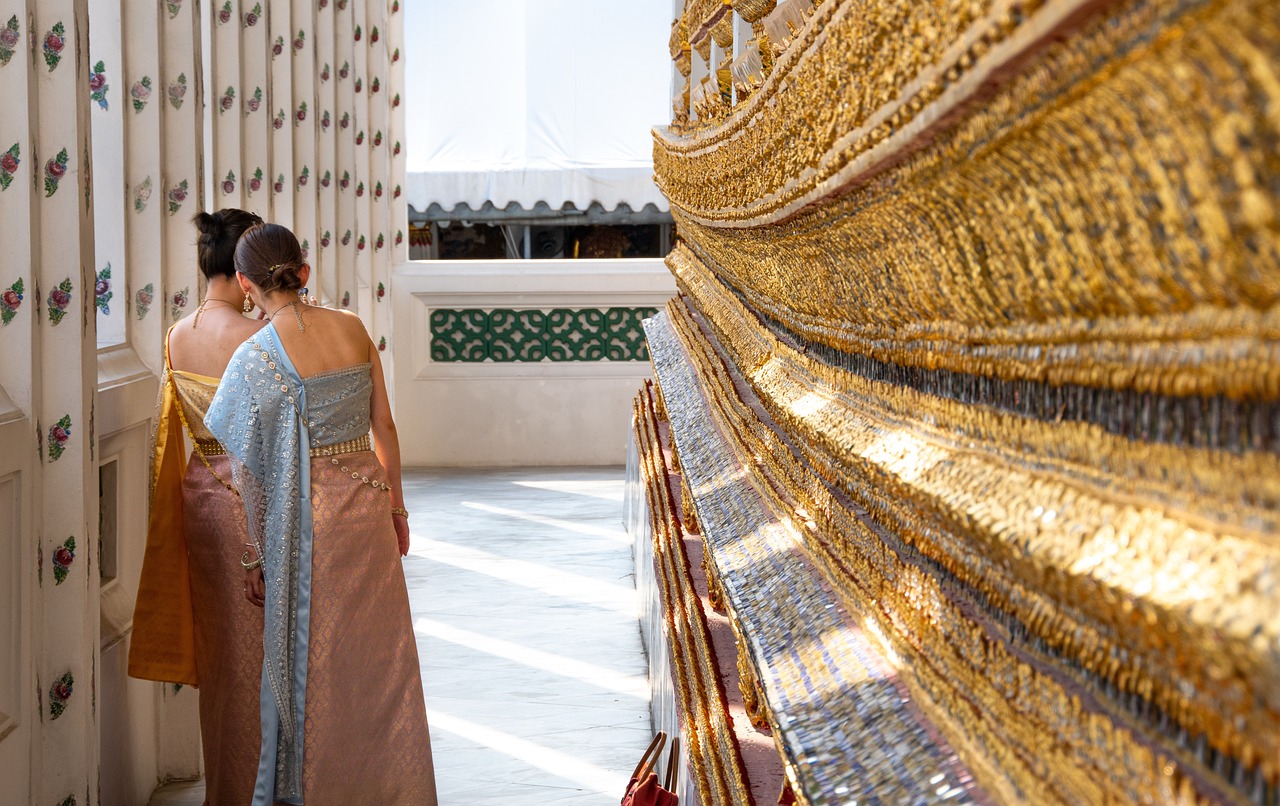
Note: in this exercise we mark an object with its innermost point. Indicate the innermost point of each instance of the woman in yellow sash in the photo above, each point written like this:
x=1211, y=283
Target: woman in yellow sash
x=192, y=624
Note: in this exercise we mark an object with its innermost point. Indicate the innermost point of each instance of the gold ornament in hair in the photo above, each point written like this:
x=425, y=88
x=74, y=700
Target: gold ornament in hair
x=272, y=269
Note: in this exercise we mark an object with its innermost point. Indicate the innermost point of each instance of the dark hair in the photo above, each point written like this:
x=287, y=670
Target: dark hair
x=269, y=255
x=216, y=246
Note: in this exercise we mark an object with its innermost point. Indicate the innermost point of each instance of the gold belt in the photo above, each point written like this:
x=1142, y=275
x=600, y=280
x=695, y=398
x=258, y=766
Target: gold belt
x=211, y=447
x=350, y=446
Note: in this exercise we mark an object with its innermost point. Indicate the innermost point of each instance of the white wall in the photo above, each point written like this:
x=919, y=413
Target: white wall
x=514, y=414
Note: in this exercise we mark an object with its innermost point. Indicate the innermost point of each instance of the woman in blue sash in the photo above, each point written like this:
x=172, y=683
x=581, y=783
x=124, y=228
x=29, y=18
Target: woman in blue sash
x=343, y=717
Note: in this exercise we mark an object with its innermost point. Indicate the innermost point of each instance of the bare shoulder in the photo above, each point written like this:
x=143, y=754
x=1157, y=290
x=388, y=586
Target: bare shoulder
x=349, y=322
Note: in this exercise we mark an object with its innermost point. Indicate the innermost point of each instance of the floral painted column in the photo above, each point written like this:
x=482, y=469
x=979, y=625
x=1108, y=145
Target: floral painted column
x=182, y=150
x=324, y=251
x=305, y=130
x=286, y=109
x=397, y=232
x=110, y=99
x=227, y=87
x=346, y=225
x=143, y=174
x=65, y=357
x=377, y=66
x=248, y=185
x=20, y=329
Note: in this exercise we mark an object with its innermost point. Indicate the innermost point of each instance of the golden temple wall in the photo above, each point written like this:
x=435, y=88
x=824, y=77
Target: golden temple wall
x=976, y=358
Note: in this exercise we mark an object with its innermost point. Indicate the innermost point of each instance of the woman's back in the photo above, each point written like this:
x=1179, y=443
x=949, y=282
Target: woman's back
x=202, y=343
x=332, y=340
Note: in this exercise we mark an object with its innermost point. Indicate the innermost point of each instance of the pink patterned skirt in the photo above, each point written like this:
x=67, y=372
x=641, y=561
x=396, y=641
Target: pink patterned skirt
x=228, y=632
x=366, y=738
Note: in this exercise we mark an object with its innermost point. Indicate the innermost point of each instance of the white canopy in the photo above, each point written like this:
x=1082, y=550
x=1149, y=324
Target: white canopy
x=533, y=101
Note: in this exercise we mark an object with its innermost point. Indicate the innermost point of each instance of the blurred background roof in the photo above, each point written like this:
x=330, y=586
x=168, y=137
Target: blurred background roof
x=534, y=102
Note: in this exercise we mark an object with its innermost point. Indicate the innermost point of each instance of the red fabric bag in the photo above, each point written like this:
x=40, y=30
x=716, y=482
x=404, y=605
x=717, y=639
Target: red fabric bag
x=643, y=789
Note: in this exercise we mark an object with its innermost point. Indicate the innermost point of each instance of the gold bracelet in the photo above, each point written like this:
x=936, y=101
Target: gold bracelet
x=400, y=511
x=249, y=566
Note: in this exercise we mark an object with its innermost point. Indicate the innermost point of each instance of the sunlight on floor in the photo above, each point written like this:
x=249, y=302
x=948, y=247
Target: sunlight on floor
x=535, y=576
x=521, y=584
x=554, y=762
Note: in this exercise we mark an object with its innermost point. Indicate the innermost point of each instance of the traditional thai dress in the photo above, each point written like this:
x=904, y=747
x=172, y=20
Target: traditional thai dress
x=192, y=623
x=342, y=712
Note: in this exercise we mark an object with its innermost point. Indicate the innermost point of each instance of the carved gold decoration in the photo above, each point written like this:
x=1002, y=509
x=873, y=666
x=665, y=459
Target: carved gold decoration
x=753, y=10
x=1046, y=253
x=981, y=320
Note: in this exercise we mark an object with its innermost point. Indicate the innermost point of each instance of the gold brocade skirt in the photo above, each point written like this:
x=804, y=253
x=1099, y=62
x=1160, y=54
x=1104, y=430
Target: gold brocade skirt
x=366, y=738
x=228, y=634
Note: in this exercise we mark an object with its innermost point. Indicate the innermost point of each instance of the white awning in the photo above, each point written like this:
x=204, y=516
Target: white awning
x=530, y=101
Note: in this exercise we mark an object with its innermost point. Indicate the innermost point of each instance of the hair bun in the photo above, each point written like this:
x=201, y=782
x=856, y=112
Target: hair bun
x=209, y=224
x=286, y=276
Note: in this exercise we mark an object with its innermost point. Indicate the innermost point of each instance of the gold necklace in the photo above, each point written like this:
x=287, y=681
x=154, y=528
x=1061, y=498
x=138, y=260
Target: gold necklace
x=296, y=314
x=195, y=322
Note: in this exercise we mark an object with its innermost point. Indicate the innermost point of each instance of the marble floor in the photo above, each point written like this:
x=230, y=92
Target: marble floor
x=524, y=606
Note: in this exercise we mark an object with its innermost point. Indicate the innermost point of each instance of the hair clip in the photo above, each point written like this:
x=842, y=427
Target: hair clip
x=272, y=270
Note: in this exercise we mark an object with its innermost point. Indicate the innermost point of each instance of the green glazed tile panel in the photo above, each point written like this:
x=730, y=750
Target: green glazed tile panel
x=562, y=334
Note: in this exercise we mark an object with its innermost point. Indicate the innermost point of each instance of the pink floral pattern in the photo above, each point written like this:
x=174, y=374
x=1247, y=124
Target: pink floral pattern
x=65, y=554
x=143, y=298
x=178, y=91
x=227, y=101
x=254, y=102
x=59, y=299
x=59, y=693
x=10, y=36
x=98, y=85
x=141, y=195
x=177, y=195
x=10, y=301
x=382, y=292
x=346, y=299
x=255, y=181
x=229, y=183
x=179, y=303
x=175, y=6
x=59, y=436
x=55, y=39
x=224, y=13
x=102, y=292
x=9, y=162
x=325, y=239
x=252, y=16
x=140, y=92
x=54, y=170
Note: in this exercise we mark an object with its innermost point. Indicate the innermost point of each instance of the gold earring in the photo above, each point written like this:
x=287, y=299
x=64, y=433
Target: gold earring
x=248, y=304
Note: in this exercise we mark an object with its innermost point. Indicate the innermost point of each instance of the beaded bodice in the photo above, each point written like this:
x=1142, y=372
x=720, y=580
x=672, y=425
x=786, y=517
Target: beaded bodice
x=338, y=404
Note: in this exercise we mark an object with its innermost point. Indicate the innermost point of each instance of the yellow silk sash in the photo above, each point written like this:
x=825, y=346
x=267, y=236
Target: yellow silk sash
x=163, y=646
